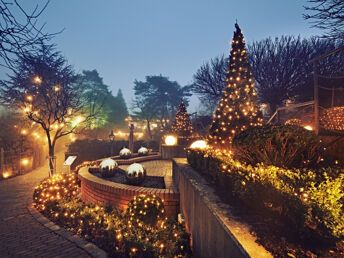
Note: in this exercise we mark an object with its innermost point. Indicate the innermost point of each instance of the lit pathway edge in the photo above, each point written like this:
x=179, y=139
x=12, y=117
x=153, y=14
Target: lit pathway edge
x=88, y=247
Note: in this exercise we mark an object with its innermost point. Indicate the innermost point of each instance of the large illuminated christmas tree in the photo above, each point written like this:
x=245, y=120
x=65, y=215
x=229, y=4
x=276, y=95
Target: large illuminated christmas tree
x=182, y=125
x=237, y=109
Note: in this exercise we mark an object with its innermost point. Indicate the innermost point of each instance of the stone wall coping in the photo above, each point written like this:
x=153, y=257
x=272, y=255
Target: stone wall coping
x=237, y=230
x=99, y=183
x=135, y=159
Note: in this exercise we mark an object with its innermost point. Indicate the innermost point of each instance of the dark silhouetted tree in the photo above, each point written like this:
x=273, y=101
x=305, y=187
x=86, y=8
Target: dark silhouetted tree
x=94, y=96
x=20, y=32
x=118, y=110
x=210, y=80
x=158, y=98
x=282, y=70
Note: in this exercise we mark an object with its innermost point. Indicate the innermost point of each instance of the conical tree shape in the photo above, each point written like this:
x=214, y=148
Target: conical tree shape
x=182, y=125
x=237, y=109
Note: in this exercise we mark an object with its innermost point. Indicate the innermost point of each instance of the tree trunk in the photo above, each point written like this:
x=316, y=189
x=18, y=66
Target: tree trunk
x=51, y=158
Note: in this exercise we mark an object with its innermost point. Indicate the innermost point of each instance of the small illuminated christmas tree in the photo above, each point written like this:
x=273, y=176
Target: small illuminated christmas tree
x=237, y=109
x=182, y=125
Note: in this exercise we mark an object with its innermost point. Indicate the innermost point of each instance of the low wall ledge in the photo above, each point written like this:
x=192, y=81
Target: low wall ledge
x=236, y=229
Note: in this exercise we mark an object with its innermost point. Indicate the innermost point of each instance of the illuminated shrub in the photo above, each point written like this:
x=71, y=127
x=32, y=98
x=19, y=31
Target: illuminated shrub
x=55, y=188
x=333, y=118
x=309, y=201
x=280, y=145
x=145, y=210
x=293, y=121
x=115, y=232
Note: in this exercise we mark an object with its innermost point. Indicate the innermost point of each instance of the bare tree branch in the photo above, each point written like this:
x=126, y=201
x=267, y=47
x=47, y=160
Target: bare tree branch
x=327, y=15
x=19, y=31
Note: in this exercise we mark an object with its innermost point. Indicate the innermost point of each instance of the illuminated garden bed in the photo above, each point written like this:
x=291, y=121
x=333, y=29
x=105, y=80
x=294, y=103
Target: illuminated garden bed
x=292, y=211
x=143, y=230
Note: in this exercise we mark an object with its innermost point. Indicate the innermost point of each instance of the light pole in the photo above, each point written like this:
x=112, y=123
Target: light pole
x=112, y=139
x=22, y=134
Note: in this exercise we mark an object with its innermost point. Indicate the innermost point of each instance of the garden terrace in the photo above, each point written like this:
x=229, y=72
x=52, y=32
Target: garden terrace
x=101, y=191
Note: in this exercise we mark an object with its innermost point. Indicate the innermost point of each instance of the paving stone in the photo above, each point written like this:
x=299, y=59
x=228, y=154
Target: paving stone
x=21, y=235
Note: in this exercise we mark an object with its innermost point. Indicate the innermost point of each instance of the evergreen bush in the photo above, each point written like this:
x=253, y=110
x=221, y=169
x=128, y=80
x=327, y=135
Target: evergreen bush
x=279, y=145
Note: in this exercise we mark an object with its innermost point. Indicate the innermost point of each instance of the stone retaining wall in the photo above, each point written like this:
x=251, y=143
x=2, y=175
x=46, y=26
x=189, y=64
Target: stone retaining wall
x=100, y=191
x=214, y=231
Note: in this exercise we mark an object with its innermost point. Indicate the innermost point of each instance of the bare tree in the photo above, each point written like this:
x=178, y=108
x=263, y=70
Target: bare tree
x=209, y=81
x=20, y=31
x=327, y=15
x=282, y=70
x=43, y=87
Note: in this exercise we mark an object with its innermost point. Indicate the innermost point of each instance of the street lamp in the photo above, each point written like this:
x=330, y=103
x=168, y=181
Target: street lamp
x=112, y=139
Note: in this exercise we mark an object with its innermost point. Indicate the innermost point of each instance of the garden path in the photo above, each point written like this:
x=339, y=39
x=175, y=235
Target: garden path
x=20, y=234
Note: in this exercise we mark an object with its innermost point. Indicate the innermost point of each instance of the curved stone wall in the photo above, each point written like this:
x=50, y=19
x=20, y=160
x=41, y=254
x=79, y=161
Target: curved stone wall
x=100, y=191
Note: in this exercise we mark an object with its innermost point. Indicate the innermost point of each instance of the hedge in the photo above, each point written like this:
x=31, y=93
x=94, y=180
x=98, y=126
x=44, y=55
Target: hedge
x=310, y=201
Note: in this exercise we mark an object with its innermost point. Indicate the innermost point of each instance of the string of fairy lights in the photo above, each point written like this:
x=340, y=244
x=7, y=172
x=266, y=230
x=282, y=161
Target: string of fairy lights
x=237, y=109
x=145, y=218
x=35, y=110
x=333, y=119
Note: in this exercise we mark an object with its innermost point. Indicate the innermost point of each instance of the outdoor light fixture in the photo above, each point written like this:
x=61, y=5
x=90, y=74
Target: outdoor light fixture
x=170, y=140
x=112, y=138
x=5, y=174
x=25, y=161
x=200, y=144
x=308, y=127
x=37, y=80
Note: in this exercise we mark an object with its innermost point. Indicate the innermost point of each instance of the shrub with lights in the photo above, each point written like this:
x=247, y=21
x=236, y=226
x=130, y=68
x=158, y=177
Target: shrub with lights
x=237, y=109
x=54, y=189
x=293, y=121
x=145, y=209
x=142, y=232
x=309, y=200
x=333, y=119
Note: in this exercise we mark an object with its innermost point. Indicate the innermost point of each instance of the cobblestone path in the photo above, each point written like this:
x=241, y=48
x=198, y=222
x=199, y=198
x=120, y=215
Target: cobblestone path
x=20, y=234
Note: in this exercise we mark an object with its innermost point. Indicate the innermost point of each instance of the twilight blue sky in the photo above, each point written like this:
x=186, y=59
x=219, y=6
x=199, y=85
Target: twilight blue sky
x=129, y=39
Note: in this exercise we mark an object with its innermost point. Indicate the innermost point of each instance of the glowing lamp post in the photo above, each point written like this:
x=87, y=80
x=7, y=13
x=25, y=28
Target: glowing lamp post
x=6, y=175
x=170, y=140
x=170, y=148
x=112, y=139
